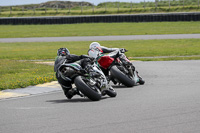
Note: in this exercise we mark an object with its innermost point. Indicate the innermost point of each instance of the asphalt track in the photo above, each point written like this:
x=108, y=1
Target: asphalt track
x=100, y=38
x=169, y=102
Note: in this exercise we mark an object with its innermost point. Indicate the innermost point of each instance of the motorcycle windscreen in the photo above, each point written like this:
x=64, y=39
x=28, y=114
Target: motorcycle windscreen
x=105, y=61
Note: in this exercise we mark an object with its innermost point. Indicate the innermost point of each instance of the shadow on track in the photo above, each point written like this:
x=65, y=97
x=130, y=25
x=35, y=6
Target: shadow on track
x=120, y=87
x=75, y=100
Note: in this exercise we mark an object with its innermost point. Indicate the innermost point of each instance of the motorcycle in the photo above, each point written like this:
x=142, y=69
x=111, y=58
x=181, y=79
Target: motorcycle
x=93, y=85
x=116, y=70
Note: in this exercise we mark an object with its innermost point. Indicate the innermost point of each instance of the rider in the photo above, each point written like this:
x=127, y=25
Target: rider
x=103, y=49
x=63, y=55
x=122, y=56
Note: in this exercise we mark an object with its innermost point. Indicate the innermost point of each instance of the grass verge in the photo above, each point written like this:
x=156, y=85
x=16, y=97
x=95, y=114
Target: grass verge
x=17, y=74
x=98, y=29
x=137, y=48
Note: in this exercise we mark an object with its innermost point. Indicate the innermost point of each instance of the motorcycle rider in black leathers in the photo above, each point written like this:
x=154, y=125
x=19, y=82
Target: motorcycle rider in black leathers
x=122, y=56
x=63, y=55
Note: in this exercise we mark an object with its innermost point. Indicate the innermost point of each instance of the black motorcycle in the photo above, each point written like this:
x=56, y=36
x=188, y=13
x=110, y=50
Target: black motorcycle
x=91, y=84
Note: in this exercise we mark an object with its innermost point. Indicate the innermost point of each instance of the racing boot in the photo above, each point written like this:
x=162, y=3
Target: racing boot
x=70, y=93
x=141, y=81
x=110, y=92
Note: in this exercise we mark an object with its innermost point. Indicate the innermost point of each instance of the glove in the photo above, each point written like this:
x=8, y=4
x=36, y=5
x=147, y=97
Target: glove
x=92, y=59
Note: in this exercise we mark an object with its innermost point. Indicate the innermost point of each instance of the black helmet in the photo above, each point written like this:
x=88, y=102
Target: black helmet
x=63, y=51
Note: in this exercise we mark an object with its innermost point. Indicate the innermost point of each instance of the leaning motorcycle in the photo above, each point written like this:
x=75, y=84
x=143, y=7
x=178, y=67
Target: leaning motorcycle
x=93, y=85
x=115, y=69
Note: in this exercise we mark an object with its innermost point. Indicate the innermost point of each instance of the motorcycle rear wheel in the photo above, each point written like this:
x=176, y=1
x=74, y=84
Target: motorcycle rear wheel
x=86, y=89
x=115, y=72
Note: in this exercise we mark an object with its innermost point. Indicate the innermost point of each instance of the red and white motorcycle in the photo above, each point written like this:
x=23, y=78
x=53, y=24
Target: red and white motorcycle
x=115, y=69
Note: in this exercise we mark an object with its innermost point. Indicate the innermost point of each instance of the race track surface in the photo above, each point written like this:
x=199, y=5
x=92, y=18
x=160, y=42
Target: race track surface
x=100, y=38
x=169, y=102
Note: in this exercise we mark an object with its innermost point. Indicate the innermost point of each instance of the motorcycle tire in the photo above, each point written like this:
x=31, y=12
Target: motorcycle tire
x=115, y=72
x=86, y=89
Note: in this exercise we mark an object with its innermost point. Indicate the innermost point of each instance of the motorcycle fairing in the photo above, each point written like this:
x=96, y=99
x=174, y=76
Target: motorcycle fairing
x=105, y=61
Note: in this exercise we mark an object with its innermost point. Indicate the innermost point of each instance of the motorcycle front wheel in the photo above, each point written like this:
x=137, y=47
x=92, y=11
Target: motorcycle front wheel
x=124, y=79
x=87, y=90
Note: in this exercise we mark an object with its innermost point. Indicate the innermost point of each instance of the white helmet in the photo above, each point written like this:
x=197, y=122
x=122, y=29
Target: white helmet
x=94, y=45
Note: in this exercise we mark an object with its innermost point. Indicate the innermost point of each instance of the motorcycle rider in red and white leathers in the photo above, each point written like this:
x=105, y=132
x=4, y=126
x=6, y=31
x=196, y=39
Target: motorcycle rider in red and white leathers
x=122, y=57
x=103, y=49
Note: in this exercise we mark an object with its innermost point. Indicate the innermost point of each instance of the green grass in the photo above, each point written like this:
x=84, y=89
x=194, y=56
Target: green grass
x=17, y=74
x=137, y=48
x=98, y=29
